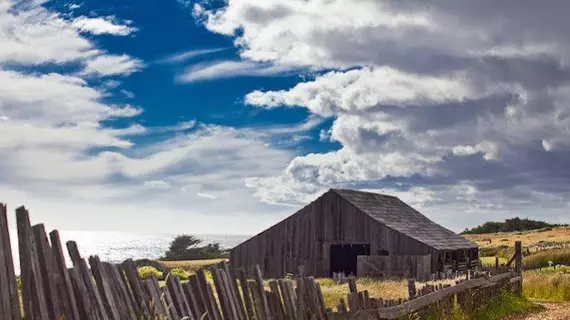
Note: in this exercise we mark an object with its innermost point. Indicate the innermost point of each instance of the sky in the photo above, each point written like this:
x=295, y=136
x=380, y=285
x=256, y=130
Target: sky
x=224, y=117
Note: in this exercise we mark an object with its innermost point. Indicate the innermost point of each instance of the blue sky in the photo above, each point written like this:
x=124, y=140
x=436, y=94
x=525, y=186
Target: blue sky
x=226, y=116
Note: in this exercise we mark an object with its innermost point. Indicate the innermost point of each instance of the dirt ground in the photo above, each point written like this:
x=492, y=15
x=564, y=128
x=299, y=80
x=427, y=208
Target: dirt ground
x=554, y=311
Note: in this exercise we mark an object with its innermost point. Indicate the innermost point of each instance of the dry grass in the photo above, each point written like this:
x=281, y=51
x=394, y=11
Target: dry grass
x=545, y=258
x=490, y=261
x=528, y=238
x=385, y=289
x=191, y=265
x=548, y=284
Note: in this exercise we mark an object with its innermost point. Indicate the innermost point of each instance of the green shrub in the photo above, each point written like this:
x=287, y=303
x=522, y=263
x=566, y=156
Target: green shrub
x=180, y=273
x=147, y=272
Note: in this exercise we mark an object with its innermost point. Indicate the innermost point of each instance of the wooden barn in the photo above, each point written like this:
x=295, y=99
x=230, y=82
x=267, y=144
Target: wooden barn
x=334, y=232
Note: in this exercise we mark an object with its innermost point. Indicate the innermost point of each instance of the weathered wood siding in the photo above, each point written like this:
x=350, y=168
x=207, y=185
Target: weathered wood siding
x=305, y=238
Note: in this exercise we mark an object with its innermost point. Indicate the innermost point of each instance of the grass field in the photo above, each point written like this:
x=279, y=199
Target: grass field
x=547, y=284
x=528, y=238
x=190, y=265
x=490, y=261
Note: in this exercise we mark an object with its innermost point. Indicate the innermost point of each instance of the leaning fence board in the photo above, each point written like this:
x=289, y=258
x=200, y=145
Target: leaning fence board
x=85, y=275
x=232, y=283
x=135, y=285
x=47, y=271
x=69, y=303
x=194, y=300
x=35, y=306
x=10, y=300
x=122, y=292
x=259, y=281
x=246, y=293
x=103, y=285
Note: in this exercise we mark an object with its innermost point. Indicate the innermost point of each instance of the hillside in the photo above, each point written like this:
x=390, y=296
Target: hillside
x=542, y=237
x=511, y=225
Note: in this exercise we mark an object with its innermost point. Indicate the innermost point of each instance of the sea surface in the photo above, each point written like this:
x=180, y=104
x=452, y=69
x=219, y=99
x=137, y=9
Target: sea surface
x=116, y=247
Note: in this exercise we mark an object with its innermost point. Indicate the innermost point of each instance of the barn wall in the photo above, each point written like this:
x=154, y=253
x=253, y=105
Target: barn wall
x=305, y=238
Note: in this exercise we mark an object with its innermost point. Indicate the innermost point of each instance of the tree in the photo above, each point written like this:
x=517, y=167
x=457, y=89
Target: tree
x=182, y=244
x=185, y=247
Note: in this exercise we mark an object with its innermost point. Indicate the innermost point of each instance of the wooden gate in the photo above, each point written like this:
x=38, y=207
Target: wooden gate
x=418, y=267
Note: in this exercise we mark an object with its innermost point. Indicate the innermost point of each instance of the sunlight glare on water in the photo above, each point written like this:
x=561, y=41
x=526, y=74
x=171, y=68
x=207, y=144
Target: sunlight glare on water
x=115, y=247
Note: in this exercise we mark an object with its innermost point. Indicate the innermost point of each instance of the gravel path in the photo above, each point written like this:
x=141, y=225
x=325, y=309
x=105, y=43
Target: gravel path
x=554, y=311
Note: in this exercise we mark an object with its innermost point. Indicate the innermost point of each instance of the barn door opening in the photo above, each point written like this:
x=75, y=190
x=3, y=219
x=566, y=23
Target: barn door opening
x=343, y=257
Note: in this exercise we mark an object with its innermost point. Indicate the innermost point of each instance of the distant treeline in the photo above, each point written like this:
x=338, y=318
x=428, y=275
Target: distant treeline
x=510, y=225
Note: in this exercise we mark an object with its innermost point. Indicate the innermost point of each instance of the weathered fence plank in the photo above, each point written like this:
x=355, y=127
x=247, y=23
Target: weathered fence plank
x=95, y=303
x=35, y=306
x=47, y=271
x=68, y=302
x=10, y=304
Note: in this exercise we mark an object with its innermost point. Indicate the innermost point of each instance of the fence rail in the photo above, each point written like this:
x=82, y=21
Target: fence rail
x=97, y=290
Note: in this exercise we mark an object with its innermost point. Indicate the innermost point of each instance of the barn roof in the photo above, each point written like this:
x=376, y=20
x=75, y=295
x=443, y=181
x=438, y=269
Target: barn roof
x=396, y=214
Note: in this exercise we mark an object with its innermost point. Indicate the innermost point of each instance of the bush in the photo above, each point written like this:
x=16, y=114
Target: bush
x=180, y=273
x=147, y=272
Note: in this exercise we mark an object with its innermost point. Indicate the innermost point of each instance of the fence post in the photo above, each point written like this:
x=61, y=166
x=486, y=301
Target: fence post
x=518, y=265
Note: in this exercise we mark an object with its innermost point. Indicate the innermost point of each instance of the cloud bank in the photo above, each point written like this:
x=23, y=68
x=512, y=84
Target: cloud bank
x=460, y=107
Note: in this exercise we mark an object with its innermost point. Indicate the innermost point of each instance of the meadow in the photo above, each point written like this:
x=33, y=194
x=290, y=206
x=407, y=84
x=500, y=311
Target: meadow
x=533, y=238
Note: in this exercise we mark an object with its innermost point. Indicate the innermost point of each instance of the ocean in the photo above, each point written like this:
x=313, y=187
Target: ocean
x=116, y=247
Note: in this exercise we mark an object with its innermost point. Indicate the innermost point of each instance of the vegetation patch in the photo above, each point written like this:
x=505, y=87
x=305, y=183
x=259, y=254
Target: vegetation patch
x=147, y=272
x=548, y=284
x=179, y=273
x=191, y=266
x=511, y=225
x=187, y=247
x=547, y=258
x=506, y=304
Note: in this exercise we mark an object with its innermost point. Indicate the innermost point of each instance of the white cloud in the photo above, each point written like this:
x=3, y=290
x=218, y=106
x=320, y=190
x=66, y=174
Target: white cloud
x=23, y=32
x=109, y=65
x=59, y=138
x=157, y=184
x=448, y=97
x=184, y=56
x=366, y=88
x=128, y=94
x=229, y=69
x=207, y=196
x=102, y=25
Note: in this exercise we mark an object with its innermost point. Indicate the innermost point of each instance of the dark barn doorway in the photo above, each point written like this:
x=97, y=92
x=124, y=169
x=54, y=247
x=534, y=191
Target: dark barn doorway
x=343, y=257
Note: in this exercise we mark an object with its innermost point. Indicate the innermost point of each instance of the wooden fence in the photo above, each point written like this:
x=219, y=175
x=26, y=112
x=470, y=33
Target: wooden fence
x=96, y=290
x=418, y=267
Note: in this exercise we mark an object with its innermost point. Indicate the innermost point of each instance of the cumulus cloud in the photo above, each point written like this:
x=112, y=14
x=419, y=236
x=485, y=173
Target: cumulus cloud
x=60, y=138
x=102, y=25
x=467, y=101
x=109, y=65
